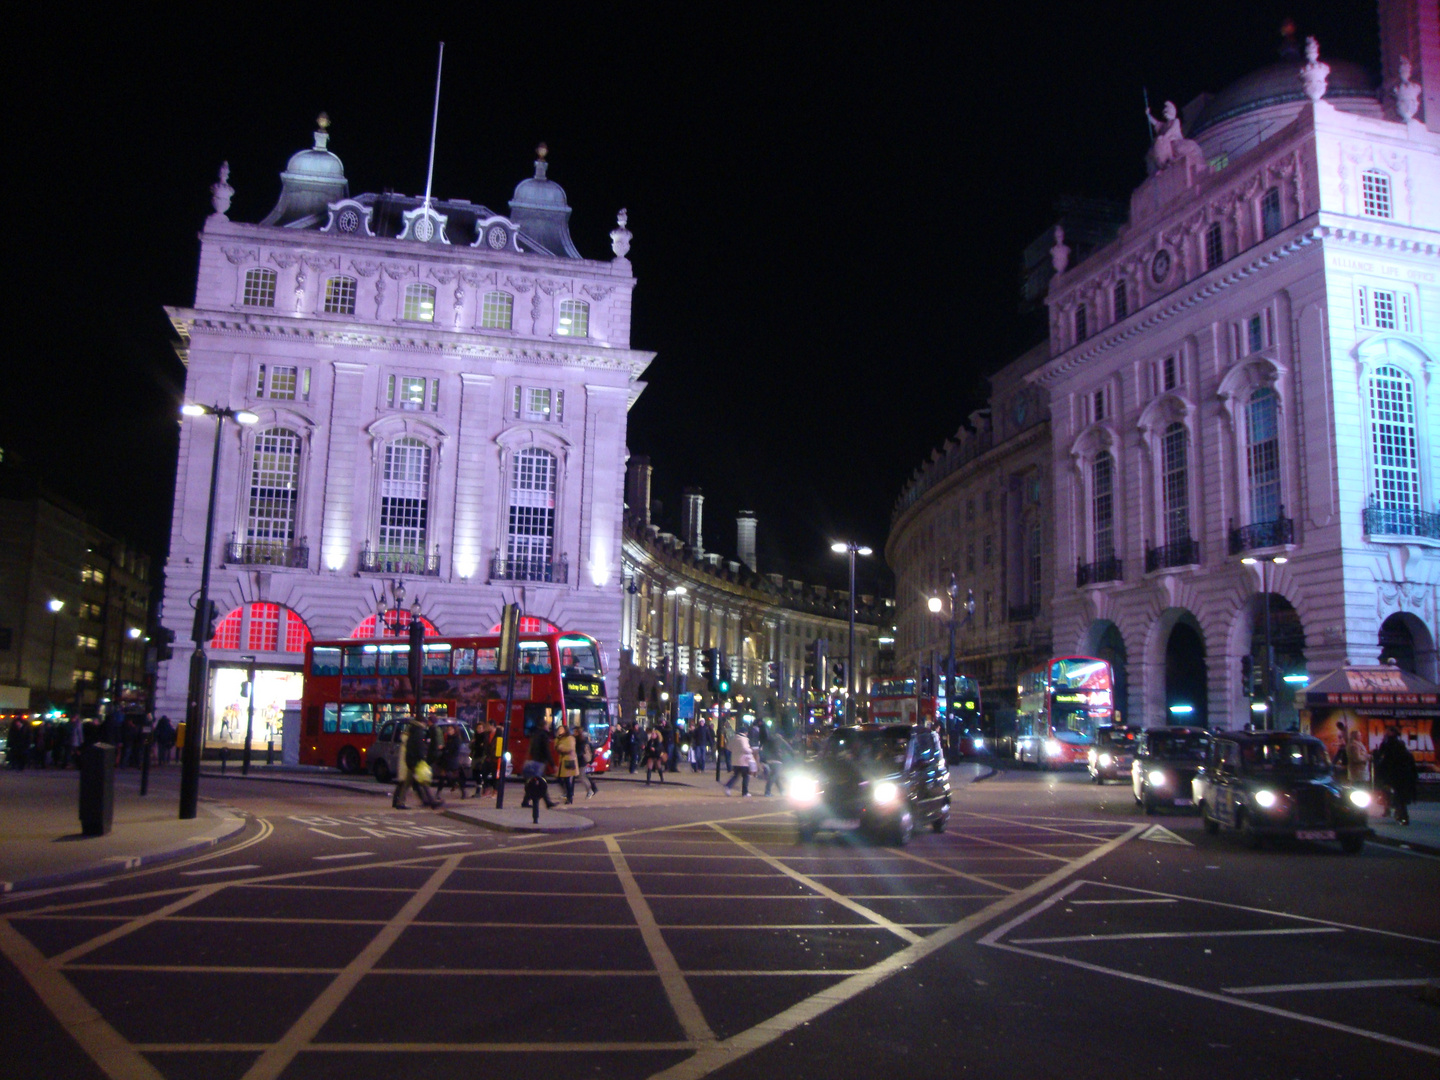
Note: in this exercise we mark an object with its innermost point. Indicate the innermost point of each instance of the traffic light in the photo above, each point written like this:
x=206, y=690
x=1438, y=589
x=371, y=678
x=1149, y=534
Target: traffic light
x=722, y=681
x=710, y=665
x=815, y=665
x=772, y=674
x=205, y=618
x=664, y=667
x=837, y=674
x=164, y=643
x=1247, y=676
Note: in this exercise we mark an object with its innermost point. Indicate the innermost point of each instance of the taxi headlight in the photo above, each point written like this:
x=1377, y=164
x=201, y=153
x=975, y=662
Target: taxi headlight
x=1052, y=747
x=1264, y=798
x=1106, y=759
x=1157, y=778
x=979, y=743
x=1360, y=798
x=885, y=792
x=803, y=790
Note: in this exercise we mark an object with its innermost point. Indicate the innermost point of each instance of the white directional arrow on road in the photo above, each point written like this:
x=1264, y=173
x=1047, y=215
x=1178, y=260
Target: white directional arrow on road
x=1162, y=835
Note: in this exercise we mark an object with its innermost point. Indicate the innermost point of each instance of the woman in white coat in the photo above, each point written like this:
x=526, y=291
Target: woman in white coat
x=742, y=762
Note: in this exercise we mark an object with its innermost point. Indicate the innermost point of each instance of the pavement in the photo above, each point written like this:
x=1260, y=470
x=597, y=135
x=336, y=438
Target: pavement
x=41, y=844
x=1422, y=834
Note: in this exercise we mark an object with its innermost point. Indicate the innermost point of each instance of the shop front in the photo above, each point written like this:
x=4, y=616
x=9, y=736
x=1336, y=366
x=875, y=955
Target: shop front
x=1373, y=700
x=257, y=647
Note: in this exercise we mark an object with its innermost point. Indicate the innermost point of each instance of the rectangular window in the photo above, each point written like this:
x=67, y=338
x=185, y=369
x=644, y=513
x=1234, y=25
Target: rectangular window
x=969, y=509
x=1171, y=373
x=1103, y=507
x=1263, y=455
x=574, y=319
x=1036, y=578
x=1255, y=334
x=986, y=549
x=1383, y=307
x=1098, y=400
x=259, y=288
x=284, y=381
x=1270, y=222
x=413, y=393
x=970, y=559
x=340, y=296
x=1082, y=329
x=264, y=633
x=260, y=383
x=1214, y=246
x=497, y=312
x=419, y=302
x=988, y=605
x=1176, y=484
x=405, y=496
x=1122, y=301
x=1375, y=194
x=537, y=403
x=325, y=660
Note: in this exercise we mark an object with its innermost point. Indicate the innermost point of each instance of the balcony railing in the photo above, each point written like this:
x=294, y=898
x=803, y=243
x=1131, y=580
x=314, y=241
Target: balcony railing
x=1262, y=534
x=377, y=560
x=267, y=553
x=1401, y=521
x=1024, y=612
x=1111, y=569
x=1176, y=553
x=531, y=568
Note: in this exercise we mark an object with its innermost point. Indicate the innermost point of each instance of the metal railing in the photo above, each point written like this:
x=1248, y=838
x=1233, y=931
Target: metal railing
x=376, y=560
x=267, y=553
x=1400, y=521
x=1184, y=552
x=1111, y=569
x=531, y=568
x=1262, y=534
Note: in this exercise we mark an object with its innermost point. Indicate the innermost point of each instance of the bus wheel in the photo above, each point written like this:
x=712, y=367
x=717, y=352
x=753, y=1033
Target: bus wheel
x=349, y=759
x=381, y=771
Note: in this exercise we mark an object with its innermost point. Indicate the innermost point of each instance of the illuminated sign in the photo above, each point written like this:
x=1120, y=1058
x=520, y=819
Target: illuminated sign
x=591, y=688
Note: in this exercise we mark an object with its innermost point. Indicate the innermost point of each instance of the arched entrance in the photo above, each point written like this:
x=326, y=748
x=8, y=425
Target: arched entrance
x=1186, y=675
x=1287, y=647
x=1105, y=642
x=1405, y=639
x=257, y=643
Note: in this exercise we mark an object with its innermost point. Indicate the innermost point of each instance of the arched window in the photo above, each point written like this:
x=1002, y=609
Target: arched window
x=1262, y=452
x=574, y=319
x=419, y=302
x=1102, y=503
x=530, y=542
x=1375, y=194
x=404, y=498
x=274, y=490
x=1175, y=484
x=396, y=624
x=259, y=288
x=1395, y=483
x=497, y=312
x=261, y=628
x=340, y=296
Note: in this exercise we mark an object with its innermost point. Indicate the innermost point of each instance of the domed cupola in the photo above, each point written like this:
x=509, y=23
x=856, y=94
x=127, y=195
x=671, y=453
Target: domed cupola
x=312, y=179
x=540, y=209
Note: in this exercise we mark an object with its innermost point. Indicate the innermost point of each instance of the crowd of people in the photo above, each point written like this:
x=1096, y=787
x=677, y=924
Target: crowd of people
x=56, y=744
x=1391, y=767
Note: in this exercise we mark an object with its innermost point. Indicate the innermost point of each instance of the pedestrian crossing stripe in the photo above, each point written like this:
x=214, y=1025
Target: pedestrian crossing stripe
x=1162, y=835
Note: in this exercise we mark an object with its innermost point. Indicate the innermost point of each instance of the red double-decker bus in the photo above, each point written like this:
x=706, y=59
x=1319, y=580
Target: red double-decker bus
x=354, y=687
x=1061, y=705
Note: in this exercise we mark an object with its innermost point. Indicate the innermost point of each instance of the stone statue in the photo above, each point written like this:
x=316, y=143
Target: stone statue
x=1059, y=254
x=221, y=193
x=620, y=235
x=1407, y=93
x=1168, y=136
x=1315, y=73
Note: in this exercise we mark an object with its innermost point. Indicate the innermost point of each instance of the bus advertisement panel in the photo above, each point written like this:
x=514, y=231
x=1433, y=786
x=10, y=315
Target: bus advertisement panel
x=353, y=686
x=1062, y=703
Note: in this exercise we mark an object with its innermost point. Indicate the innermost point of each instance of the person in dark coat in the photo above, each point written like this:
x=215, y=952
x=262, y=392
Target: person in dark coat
x=414, y=743
x=1396, y=774
x=18, y=745
x=164, y=739
x=653, y=756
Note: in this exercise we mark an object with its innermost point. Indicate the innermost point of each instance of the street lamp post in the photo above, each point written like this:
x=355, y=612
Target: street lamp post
x=1267, y=676
x=55, y=607
x=249, y=714
x=851, y=549
x=195, y=705
x=935, y=604
x=675, y=594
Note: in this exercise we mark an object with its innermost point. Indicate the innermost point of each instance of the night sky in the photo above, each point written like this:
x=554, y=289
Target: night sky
x=828, y=212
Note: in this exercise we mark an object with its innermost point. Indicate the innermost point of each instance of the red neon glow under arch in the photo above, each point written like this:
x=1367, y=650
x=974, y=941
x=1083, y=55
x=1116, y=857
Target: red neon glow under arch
x=531, y=624
x=397, y=624
x=261, y=628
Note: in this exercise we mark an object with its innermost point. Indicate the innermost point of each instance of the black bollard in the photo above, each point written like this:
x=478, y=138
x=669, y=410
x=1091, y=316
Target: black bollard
x=224, y=757
x=97, y=789
x=270, y=752
x=145, y=764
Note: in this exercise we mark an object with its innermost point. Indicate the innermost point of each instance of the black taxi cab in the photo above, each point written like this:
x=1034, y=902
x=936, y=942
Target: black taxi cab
x=1110, y=757
x=1166, y=761
x=1278, y=784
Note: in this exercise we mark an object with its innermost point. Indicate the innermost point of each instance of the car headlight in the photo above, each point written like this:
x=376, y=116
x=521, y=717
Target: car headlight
x=1052, y=747
x=1267, y=799
x=803, y=790
x=979, y=743
x=885, y=792
x=1157, y=778
x=1106, y=759
x=1360, y=798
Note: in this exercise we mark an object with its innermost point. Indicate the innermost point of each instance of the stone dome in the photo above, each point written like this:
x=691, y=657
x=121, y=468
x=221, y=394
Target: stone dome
x=1279, y=84
x=315, y=162
x=313, y=178
x=538, y=193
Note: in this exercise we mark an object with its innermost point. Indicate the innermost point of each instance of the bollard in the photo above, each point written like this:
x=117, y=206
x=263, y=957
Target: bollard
x=145, y=764
x=270, y=753
x=224, y=757
x=97, y=789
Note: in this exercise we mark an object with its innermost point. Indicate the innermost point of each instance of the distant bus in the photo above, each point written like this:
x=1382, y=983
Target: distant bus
x=1062, y=703
x=905, y=701
x=900, y=701
x=354, y=686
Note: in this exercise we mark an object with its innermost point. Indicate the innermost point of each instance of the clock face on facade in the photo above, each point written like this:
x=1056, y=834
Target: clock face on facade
x=1160, y=266
x=497, y=237
x=424, y=229
x=348, y=221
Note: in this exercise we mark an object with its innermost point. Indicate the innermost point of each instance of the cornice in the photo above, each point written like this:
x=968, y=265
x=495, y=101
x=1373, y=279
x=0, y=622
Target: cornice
x=191, y=323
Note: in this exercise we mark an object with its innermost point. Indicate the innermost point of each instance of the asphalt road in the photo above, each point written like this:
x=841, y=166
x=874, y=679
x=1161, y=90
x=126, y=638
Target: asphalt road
x=1051, y=931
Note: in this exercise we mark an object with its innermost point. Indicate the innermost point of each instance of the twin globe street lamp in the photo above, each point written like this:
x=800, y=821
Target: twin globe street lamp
x=195, y=705
x=1266, y=707
x=850, y=548
x=935, y=604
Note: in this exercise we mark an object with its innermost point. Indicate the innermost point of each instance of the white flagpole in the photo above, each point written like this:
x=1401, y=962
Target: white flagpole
x=434, y=124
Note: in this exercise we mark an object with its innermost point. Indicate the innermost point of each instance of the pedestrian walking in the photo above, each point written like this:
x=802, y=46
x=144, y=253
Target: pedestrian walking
x=654, y=756
x=585, y=755
x=17, y=744
x=1396, y=775
x=482, y=758
x=567, y=762
x=742, y=762
x=164, y=739
x=536, y=787
x=776, y=752
x=702, y=739
x=414, y=770
x=1352, y=759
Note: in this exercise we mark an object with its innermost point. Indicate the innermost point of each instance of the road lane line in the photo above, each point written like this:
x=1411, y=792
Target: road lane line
x=1358, y=984
x=1012, y=847
x=728, y=1051
x=1157, y=900
x=278, y=1057
x=452, y=843
x=426, y=1048
x=116, y=1058
x=975, y=878
x=672, y=979
x=325, y=858
x=204, y=892
x=1177, y=934
x=220, y=870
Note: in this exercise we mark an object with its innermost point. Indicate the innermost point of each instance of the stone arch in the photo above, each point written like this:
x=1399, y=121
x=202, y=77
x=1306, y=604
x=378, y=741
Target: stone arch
x=1104, y=640
x=1406, y=639
x=1176, y=651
